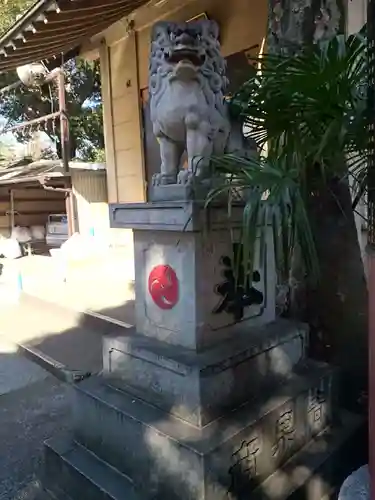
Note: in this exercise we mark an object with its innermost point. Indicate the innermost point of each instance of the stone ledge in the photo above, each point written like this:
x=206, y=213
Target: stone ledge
x=77, y=472
x=200, y=387
x=155, y=449
x=314, y=473
x=174, y=216
x=310, y=474
x=212, y=359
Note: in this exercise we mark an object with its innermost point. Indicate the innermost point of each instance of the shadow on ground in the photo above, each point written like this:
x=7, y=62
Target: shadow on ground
x=71, y=338
x=33, y=406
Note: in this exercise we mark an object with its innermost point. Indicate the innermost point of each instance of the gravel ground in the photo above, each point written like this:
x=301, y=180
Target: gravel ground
x=33, y=406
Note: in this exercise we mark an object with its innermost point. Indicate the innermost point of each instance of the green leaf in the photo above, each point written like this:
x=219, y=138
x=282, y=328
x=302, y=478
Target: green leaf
x=310, y=110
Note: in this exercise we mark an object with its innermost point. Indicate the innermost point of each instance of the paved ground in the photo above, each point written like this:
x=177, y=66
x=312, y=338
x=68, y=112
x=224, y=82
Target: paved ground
x=33, y=406
x=71, y=338
x=103, y=286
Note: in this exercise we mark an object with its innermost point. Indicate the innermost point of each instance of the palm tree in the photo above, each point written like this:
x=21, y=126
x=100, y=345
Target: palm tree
x=309, y=109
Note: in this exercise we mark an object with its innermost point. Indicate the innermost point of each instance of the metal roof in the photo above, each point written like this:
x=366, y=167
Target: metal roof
x=54, y=27
x=20, y=172
x=26, y=170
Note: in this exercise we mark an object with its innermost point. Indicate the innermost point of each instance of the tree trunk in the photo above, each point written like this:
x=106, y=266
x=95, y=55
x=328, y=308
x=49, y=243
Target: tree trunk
x=337, y=309
x=72, y=147
x=292, y=23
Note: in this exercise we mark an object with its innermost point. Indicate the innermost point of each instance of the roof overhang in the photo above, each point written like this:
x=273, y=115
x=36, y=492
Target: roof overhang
x=54, y=27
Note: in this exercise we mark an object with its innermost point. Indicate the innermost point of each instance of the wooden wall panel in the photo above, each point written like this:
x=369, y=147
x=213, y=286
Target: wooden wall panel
x=129, y=159
x=90, y=190
x=25, y=220
x=127, y=139
x=37, y=194
x=31, y=205
x=110, y=154
x=132, y=186
x=124, y=123
x=124, y=109
x=34, y=206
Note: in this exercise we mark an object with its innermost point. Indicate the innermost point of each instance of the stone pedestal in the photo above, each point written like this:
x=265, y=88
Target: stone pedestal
x=208, y=397
x=185, y=281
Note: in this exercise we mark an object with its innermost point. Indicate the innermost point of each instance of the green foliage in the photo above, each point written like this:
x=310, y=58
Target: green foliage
x=98, y=156
x=7, y=152
x=88, y=126
x=272, y=197
x=312, y=104
x=83, y=97
x=309, y=109
x=9, y=10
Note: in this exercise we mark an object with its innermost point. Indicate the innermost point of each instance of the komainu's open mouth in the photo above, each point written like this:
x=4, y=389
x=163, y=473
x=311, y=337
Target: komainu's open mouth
x=188, y=55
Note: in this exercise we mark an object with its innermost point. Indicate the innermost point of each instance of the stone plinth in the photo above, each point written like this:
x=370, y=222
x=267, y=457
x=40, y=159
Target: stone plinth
x=201, y=387
x=168, y=458
x=208, y=397
x=196, y=248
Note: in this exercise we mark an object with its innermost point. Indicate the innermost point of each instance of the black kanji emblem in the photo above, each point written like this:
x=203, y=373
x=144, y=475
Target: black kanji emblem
x=237, y=294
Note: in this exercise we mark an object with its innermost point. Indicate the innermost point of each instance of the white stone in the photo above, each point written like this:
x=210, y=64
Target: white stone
x=196, y=261
x=356, y=486
x=187, y=105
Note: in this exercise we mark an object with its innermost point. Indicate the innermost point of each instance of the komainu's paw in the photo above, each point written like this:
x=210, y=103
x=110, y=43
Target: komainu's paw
x=157, y=179
x=184, y=177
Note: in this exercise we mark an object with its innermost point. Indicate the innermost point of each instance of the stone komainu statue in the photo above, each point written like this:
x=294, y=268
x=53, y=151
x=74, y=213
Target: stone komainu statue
x=187, y=105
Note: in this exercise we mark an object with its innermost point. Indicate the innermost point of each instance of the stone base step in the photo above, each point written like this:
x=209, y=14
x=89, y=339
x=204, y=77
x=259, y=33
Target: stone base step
x=200, y=387
x=48, y=495
x=313, y=473
x=34, y=491
x=156, y=449
x=74, y=473
x=317, y=470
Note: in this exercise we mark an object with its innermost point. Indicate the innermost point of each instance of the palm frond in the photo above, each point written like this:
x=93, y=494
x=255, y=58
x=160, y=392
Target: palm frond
x=310, y=110
x=313, y=101
x=272, y=199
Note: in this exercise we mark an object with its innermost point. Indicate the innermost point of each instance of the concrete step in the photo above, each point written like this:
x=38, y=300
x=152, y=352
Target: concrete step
x=200, y=387
x=47, y=495
x=315, y=472
x=34, y=491
x=74, y=473
x=44, y=495
x=156, y=449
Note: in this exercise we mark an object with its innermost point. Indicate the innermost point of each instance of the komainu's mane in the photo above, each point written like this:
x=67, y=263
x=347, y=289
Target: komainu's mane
x=211, y=73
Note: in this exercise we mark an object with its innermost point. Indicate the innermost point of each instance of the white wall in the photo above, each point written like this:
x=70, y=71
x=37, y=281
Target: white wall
x=356, y=18
x=356, y=15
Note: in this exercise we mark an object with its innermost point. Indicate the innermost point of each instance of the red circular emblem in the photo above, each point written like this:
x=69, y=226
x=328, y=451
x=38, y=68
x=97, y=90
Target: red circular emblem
x=163, y=286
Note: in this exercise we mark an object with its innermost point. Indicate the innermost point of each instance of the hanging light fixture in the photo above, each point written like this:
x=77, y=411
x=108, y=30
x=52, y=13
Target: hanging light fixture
x=32, y=74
